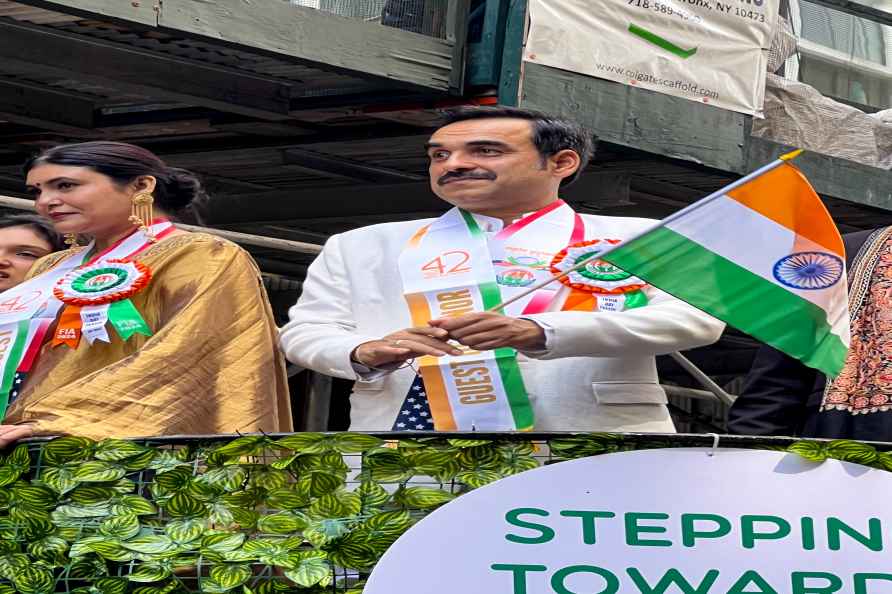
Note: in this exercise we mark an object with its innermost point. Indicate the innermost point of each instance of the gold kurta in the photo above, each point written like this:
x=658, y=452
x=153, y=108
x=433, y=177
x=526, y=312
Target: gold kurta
x=210, y=366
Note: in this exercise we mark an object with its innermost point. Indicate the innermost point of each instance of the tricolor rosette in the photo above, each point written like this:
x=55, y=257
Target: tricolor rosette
x=614, y=288
x=98, y=294
x=105, y=282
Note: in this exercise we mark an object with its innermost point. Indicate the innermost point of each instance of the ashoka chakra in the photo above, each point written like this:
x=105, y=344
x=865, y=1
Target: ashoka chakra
x=809, y=270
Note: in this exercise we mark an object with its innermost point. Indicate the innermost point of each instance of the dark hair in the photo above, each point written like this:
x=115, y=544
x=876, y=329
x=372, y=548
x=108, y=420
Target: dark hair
x=175, y=190
x=38, y=224
x=551, y=134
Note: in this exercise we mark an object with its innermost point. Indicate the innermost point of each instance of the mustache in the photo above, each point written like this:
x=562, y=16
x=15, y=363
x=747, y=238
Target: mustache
x=446, y=177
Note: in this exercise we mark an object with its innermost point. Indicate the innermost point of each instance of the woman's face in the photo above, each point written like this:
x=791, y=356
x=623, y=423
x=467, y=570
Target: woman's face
x=20, y=246
x=80, y=200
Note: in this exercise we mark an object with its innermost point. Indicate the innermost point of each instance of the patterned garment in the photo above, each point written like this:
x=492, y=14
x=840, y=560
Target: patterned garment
x=415, y=414
x=865, y=384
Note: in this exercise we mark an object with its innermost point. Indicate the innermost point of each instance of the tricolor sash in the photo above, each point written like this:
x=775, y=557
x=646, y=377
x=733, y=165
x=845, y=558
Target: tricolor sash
x=452, y=268
x=65, y=292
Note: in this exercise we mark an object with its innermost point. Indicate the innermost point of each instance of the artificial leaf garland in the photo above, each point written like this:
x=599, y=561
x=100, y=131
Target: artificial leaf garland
x=251, y=516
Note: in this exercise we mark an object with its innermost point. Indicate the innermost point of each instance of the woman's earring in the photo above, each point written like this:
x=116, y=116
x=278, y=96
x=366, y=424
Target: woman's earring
x=71, y=239
x=141, y=214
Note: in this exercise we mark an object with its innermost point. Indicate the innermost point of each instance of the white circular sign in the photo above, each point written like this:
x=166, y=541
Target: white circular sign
x=670, y=521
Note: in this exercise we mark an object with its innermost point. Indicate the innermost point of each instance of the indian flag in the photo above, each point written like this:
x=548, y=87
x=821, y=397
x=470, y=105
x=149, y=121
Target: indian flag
x=762, y=255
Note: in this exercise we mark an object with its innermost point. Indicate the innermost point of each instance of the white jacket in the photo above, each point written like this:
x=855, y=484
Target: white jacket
x=597, y=373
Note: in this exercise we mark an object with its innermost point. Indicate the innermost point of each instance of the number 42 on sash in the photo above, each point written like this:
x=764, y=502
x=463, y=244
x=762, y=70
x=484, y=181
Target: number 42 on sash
x=451, y=262
x=19, y=302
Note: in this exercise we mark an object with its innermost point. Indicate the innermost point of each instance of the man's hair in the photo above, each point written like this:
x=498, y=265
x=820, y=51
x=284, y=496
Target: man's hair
x=551, y=134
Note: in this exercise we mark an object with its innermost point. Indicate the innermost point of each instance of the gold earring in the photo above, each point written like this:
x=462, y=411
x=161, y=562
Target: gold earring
x=141, y=214
x=71, y=239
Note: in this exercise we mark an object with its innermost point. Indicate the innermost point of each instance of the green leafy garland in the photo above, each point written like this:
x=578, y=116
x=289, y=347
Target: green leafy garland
x=254, y=515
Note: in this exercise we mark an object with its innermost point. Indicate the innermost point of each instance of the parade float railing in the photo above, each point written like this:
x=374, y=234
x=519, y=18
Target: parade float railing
x=263, y=514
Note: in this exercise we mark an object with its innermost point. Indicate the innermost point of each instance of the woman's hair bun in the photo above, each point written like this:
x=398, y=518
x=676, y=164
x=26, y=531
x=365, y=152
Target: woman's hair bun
x=178, y=189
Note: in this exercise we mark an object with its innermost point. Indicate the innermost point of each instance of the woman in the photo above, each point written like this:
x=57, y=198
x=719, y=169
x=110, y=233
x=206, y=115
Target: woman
x=23, y=240
x=149, y=330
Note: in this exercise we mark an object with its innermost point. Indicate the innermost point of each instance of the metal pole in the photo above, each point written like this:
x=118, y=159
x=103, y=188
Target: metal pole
x=692, y=393
x=318, y=402
x=703, y=379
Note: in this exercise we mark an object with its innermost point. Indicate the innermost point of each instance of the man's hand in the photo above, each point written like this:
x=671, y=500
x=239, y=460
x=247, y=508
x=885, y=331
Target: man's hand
x=9, y=434
x=489, y=330
x=403, y=345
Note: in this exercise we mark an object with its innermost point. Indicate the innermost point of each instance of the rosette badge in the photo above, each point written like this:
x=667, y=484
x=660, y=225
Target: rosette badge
x=612, y=288
x=97, y=295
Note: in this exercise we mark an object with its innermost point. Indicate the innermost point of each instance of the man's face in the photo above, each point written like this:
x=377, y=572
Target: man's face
x=488, y=165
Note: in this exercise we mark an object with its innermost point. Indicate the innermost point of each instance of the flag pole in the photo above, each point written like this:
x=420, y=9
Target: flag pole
x=687, y=209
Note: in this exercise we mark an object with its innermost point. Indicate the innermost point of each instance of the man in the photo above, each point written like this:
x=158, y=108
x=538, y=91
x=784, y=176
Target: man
x=784, y=397
x=381, y=299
